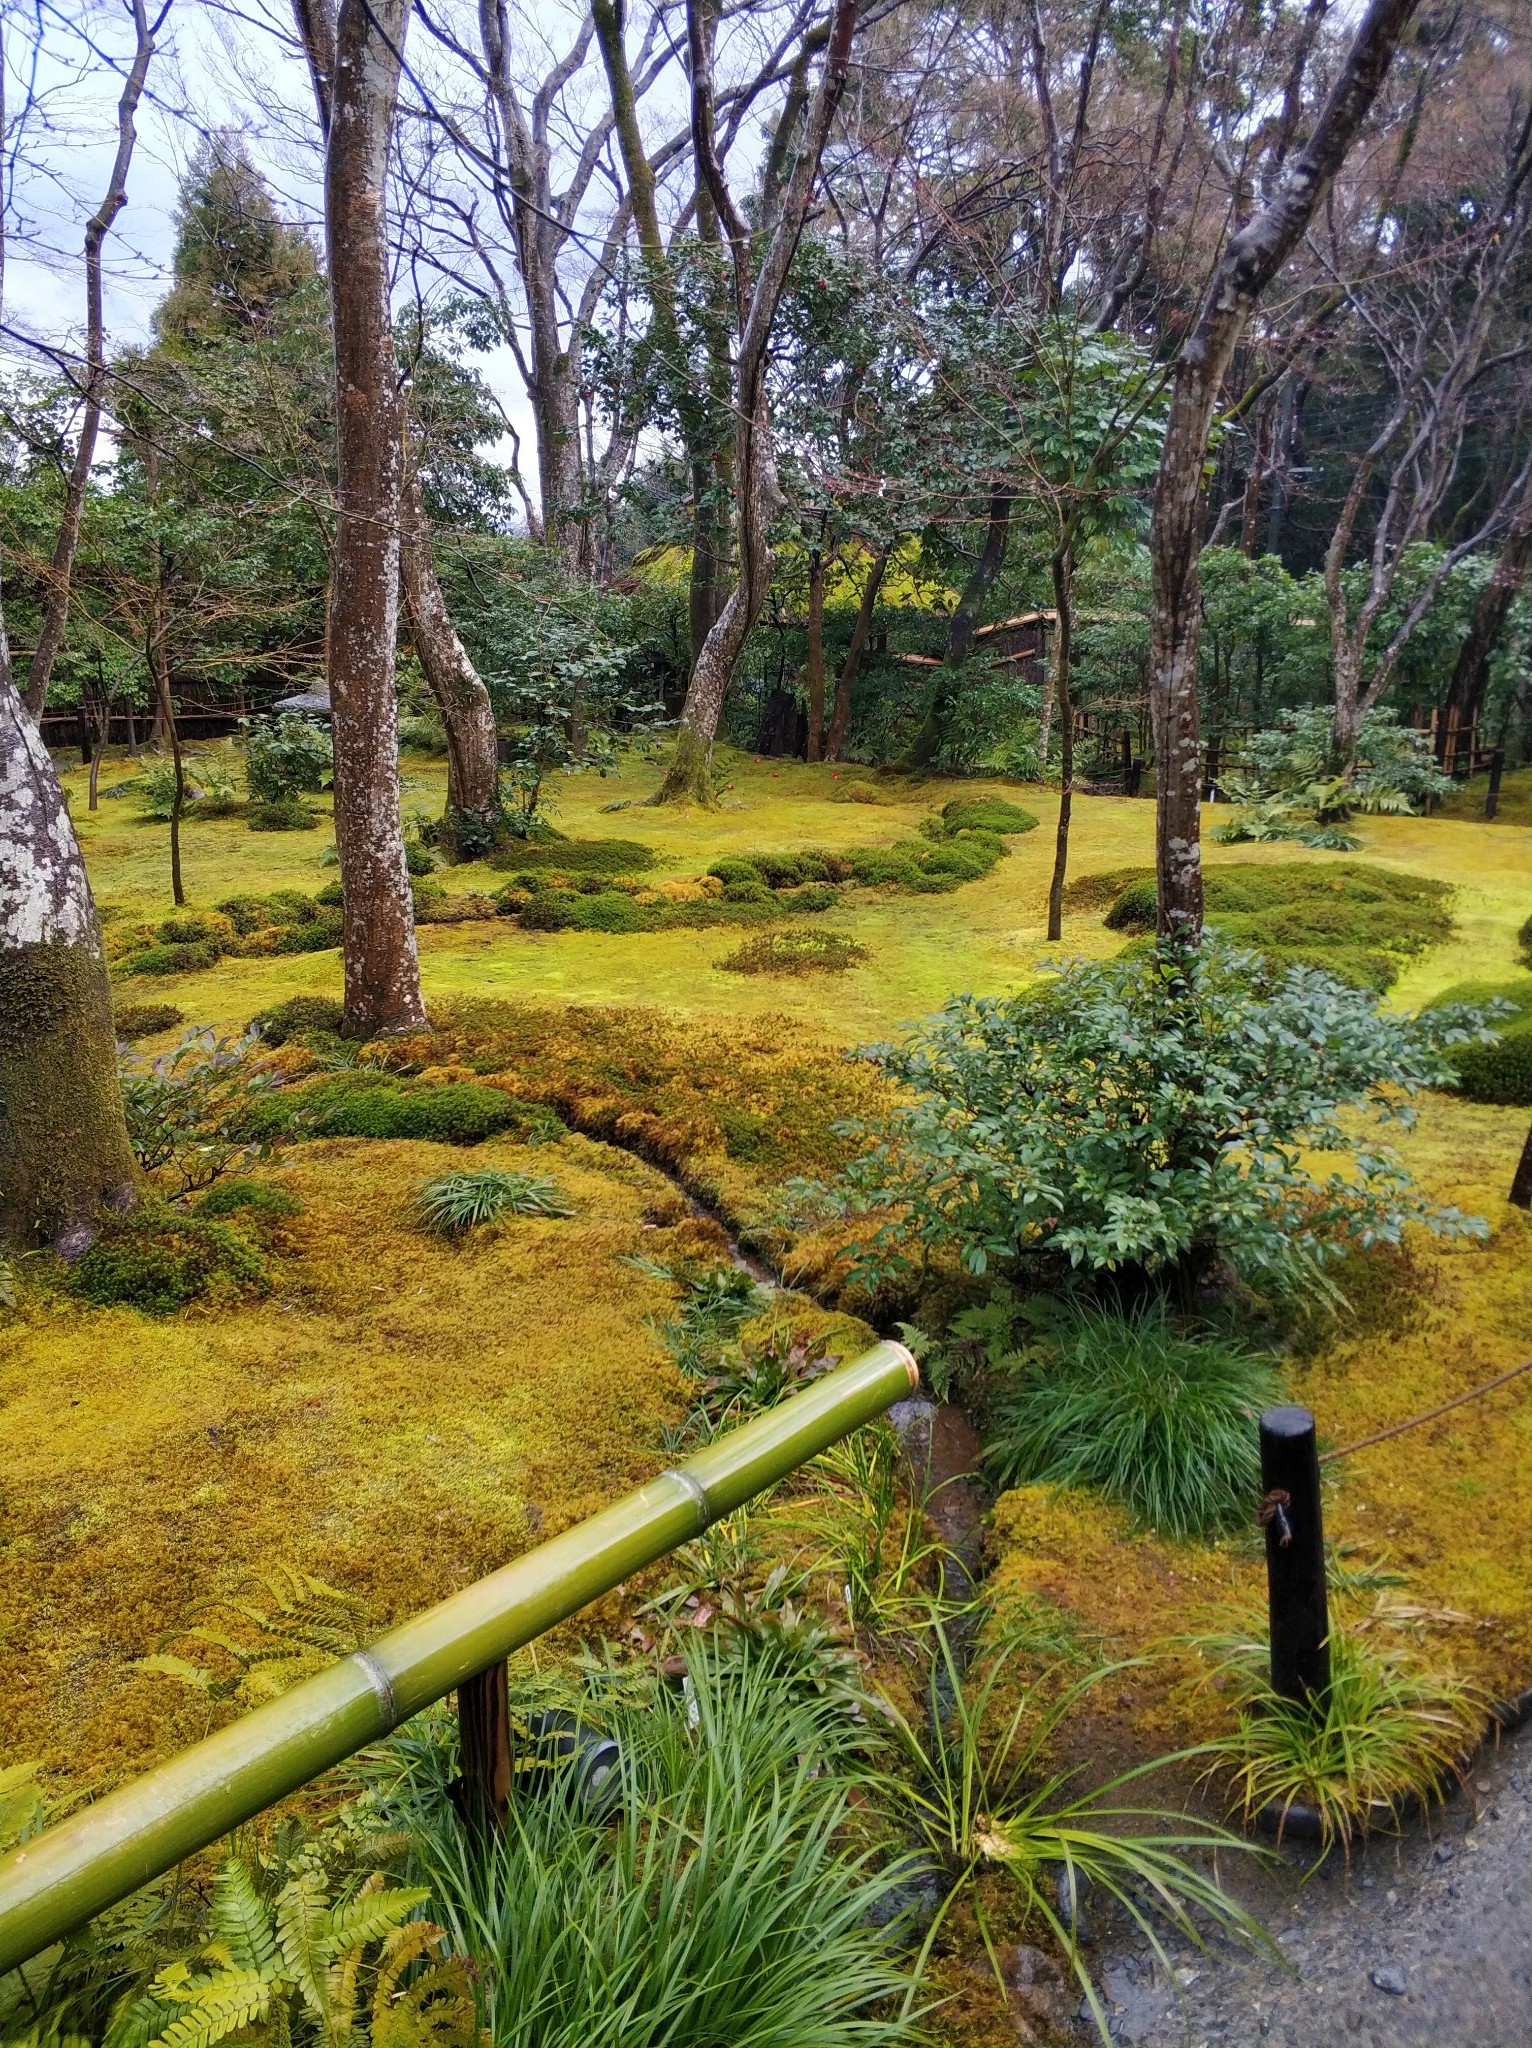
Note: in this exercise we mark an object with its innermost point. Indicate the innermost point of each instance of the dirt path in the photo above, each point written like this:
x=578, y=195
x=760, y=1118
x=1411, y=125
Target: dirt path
x=1427, y=1941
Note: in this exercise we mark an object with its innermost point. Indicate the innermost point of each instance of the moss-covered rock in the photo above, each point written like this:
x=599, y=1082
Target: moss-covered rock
x=987, y=814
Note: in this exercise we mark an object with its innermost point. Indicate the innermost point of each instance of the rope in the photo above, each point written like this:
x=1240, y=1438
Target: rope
x=1431, y=1413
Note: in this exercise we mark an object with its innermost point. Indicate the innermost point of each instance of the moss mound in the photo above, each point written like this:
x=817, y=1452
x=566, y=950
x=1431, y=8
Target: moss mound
x=987, y=814
x=576, y=856
x=801, y=952
x=286, y=815
x=159, y=1259
x=923, y=867
x=1501, y=1072
x=142, y=1020
x=371, y=1105
x=1357, y=922
x=241, y=927
x=299, y=1018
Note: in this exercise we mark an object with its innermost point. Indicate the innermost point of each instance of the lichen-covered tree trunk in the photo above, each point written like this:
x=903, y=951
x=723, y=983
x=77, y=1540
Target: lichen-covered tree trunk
x=473, y=775
x=64, y=1152
x=357, y=91
x=851, y=667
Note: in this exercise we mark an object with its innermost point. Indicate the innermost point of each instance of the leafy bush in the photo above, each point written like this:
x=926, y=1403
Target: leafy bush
x=1161, y=1422
x=157, y=1259
x=1152, y=1112
x=290, y=815
x=717, y=1903
x=589, y=856
x=987, y=814
x=143, y=1020
x=1297, y=788
x=810, y=952
x=206, y=788
x=1499, y=1072
x=1390, y=1730
x=456, y=1203
x=193, y=1111
x=299, y=1017
x=285, y=758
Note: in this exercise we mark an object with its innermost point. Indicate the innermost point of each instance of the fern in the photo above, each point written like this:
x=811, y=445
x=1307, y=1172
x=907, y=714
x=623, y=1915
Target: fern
x=211, y=2008
x=241, y=1922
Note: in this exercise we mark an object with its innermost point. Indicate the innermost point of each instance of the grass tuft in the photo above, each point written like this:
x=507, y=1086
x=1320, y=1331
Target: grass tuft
x=1163, y=1423
x=460, y=1202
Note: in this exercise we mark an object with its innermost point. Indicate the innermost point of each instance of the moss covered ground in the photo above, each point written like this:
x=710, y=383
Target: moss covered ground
x=398, y=1414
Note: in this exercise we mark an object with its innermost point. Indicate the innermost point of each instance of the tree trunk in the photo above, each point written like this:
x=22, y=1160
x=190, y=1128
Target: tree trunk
x=816, y=660
x=755, y=480
x=357, y=103
x=851, y=667
x=1521, y=1180
x=960, y=631
x=1253, y=256
x=64, y=1151
x=1063, y=601
x=472, y=818
x=1470, y=675
x=50, y=632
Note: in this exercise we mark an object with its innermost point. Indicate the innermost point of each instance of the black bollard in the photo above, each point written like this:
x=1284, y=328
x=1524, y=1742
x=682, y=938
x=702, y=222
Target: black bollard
x=1496, y=770
x=1295, y=1555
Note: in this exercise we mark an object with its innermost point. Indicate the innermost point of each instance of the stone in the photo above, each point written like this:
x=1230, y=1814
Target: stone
x=1390, y=1978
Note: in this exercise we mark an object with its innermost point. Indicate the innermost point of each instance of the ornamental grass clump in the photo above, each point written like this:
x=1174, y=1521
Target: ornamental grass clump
x=724, y=1899
x=460, y=1202
x=1159, y=1113
x=1391, y=1732
x=1162, y=1422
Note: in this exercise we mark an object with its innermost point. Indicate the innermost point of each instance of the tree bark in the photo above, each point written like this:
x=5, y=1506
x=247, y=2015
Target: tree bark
x=755, y=482
x=851, y=667
x=1063, y=569
x=473, y=764
x=960, y=631
x=357, y=102
x=50, y=632
x=1521, y=1180
x=1252, y=258
x=1470, y=674
x=816, y=656
x=64, y=1151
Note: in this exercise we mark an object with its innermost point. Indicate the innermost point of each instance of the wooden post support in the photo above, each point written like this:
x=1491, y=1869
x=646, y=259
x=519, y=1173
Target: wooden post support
x=1295, y=1555
x=1127, y=762
x=1496, y=770
x=484, y=1745
x=1521, y=1180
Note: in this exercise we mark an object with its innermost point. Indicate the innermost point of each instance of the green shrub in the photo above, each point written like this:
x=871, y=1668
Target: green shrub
x=358, y=1105
x=289, y=815
x=1136, y=909
x=176, y=959
x=250, y=914
x=801, y=952
x=187, y=930
x=417, y=859
x=1162, y=1423
x=158, y=1260
x=1390, y=1730
x=456, y=1203
x=200, y=1109
x=814, y=896
x=987, y=814
x=878, y=865
x=298, y=1017
x=736, y=868
x=746, y=892
x=1501, y=1072
x=326, y=930
x=549, y=911
x=142, y=1020
x=285, y=758
x=332, y=895
x=1207, y=1101
x=572, y=856
x=610, y=912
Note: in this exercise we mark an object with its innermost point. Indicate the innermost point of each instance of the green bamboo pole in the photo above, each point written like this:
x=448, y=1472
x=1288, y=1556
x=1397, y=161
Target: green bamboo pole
x=58, y=1881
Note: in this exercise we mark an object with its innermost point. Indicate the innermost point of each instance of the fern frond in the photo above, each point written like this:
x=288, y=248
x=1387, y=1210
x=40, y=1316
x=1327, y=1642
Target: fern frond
x=370, y=1915
x=178, y=1667
x=406, y=1945
x=437, y=2011
x=140, y=2018
x=302, y=1922
x=241, y=1920
x=210, y=2009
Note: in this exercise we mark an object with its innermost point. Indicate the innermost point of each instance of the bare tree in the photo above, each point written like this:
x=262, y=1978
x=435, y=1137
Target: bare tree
x=1251, y=258
x=758, y=294
x=93, y=371
x=354, y=53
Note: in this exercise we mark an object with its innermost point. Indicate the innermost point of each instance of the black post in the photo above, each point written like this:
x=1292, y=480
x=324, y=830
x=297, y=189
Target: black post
x=1127, y=762
x=1521, y=1182
x=1295, y=1555
x=1496, y=770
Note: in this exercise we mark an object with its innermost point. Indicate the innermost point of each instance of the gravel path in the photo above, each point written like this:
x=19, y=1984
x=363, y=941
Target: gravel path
x=1427, y=1940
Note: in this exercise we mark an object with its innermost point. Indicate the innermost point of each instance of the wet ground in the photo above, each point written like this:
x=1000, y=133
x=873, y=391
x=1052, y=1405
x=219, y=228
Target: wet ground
x=1425, y=1940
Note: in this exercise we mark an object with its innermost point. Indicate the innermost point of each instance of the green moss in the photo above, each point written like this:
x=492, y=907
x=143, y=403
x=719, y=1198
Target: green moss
x=987, y=814
x=359, y=1105
x=142, y=1020
x=1524, y=941
x=576, y=856
x=299, y=1017
x=176, y=959
x=158, y=1260
x=263, y=1199
x=796, y=952
x=287, y=815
